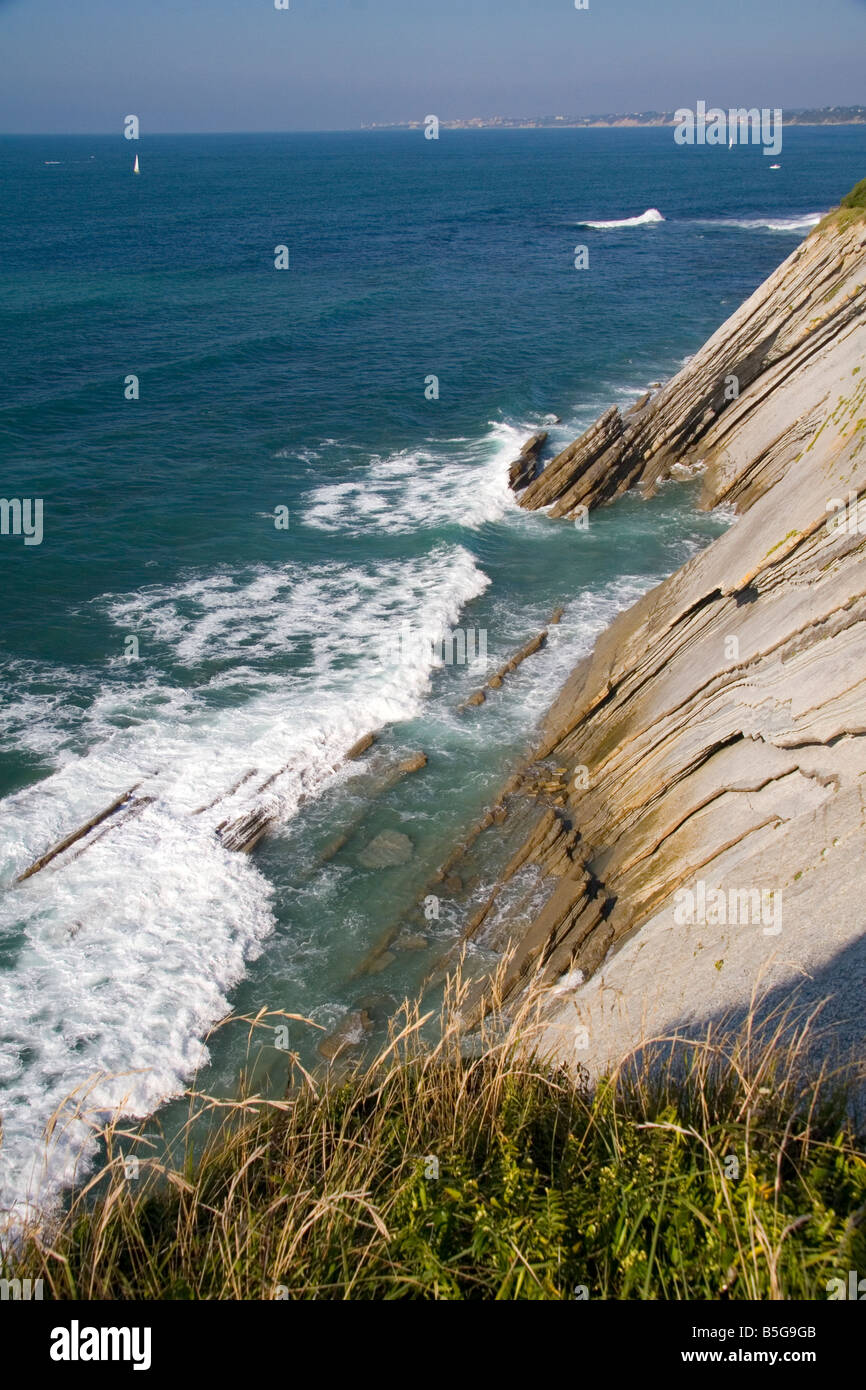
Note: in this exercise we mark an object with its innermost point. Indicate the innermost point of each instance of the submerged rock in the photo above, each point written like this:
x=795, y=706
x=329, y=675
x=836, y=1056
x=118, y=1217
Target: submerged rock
x=386, y=850
x=412, y=941
x=350, y=1032
x=380, y=962
x=413, y=763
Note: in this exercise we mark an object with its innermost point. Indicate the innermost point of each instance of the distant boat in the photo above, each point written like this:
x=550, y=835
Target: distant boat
x=775, y=166
x=135, y=168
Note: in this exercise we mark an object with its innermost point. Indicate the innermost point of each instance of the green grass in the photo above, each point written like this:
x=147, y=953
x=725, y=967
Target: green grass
x=852, y=208
x=722, y=1172
x=857, y=197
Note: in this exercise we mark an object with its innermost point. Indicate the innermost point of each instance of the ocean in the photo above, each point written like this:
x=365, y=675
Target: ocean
x=230, y=562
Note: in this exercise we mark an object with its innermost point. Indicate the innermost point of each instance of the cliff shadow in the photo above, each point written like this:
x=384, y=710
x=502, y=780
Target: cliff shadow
x=825, y=1013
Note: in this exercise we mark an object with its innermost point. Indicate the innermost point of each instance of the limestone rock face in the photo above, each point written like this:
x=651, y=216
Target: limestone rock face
x=721, y=722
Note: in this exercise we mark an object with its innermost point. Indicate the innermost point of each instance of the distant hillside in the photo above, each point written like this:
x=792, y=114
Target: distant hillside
x=821, y=115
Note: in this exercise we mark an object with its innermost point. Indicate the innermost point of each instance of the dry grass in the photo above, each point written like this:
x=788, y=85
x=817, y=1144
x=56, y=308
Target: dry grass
x=717, y=1169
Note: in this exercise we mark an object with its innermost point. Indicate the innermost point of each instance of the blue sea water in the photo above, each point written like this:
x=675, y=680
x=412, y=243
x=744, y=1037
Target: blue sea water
x=273, y=648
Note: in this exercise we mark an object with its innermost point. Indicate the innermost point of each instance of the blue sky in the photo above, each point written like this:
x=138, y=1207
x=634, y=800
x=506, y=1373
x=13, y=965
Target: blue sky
x=210, y=65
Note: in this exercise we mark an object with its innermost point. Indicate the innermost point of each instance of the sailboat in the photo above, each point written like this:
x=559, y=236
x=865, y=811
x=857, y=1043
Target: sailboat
x=135, y=168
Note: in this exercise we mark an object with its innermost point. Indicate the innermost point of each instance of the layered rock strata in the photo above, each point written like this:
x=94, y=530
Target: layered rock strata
x=814, y=299
x=715, y=740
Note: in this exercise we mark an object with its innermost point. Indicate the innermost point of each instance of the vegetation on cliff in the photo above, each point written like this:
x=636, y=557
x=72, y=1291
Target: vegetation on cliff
x=857, y=197
x=851, y=209
x=434, y=1172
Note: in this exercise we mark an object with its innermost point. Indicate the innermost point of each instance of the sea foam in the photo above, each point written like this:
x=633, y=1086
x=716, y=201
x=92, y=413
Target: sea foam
x=122, y=956
x=798, y=226
x=460, y=483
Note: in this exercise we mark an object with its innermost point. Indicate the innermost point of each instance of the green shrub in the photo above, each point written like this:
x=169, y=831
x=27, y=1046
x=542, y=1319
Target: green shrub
x=857, y=197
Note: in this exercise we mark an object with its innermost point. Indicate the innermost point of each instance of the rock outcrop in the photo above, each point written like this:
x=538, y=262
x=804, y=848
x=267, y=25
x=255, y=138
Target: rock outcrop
x=529, y=648
x=798, y=314
x=525, y=466
x=717, y=733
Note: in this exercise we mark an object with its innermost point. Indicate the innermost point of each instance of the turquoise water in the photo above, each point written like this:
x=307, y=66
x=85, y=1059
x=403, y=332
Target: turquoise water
x=271, y=648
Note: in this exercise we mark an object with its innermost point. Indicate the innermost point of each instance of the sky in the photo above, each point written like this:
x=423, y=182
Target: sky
x=80, y=66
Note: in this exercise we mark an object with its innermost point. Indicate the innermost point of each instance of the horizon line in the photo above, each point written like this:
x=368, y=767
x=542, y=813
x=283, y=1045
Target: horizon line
x=374, y=129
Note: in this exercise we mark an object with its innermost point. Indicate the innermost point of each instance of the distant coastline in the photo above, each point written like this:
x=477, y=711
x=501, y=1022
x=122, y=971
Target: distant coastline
x=822, y=115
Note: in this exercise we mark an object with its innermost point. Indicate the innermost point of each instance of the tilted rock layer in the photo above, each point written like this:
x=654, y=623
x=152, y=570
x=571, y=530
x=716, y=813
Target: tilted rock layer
x=718, y=731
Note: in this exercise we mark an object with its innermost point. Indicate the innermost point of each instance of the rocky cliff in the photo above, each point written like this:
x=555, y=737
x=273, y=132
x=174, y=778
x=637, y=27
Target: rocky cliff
x=711, y=752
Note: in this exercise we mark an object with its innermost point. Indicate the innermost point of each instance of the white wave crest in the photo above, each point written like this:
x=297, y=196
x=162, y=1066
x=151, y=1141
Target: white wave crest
x=796, y=225
x=462, y=482
x=647, y=219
